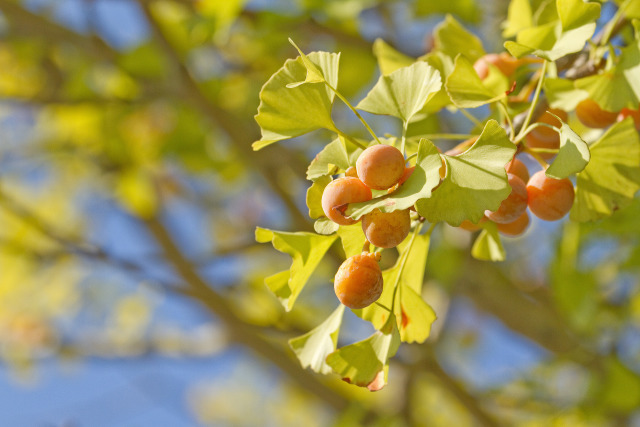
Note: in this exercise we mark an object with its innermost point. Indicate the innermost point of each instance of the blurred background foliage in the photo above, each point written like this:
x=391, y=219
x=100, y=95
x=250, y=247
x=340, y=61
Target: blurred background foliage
x=129, y=196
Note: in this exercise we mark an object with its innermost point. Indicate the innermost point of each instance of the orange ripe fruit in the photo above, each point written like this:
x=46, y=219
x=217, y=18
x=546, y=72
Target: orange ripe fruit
x=543, y=133
x=549, y=199
x=591, y=115
x=516, y=227
x=533, y=142
x=358, y=282
x=634, y=114
x=342, y=191
x=470, y=226
x=506, y=63
x=406, y=174
x=513, y=206
x=351, y=171
x=518, y=168
x=386, y=230
x=380, y=166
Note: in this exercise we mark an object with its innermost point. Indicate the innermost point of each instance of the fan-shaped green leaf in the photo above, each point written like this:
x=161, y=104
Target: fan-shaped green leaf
x=577, y=13
x=414, y=315
x=465, y=87
x=612, y=177
x=519, y=17
x=363, y=362
x=562, y=93
x=573, y=155
x=476, y=180
x=325, y=226
x=314, y=196
x=352, y=238
x=403, y=92
x=313, y=347
x=306, y=249
x=488, y=246
x=453, y=39
x=548, y=41
x=424, y=178
x=333, y=154
x=288, y=112
x=389, y=59
x=618, y=87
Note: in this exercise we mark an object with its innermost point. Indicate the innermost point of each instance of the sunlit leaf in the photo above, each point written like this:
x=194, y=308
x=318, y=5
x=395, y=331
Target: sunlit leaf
x=549, y=41
x=333, y=154
x=389, y=59
x=403, y=92
x=465, y=87
x=619, y=87
x=352, y=238
x=612, y=177
x=577, y=13
x=573, y=155
x=519, y=17
x=314, y=196
x=325, y=226
x=414, y=315
x=453, y=39
x=360, y=363
x=288, y=112
x=313, y=347
x=315, y=74
x=306, y=249
x=562, y=94
x=424, y=178
x=488, y=246
x=476, y=180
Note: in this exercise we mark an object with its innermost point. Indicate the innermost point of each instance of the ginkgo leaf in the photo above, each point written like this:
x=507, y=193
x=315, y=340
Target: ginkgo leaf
x=389, y=59
x=306, y=249
x=424, y=178
x=519, y=17
x=465, y=87
x=352, y=238
x=573, y=155
x=313, y=347
x=453, y=39
x=414, y=315
x=314, y=196
x=286, y=112
x=314, y=73
x=488, y=246
x=562, y=94
x=333, y=154
x=549, y=41
x=403, y=92
x=577, y=13
x=325, y=226
x=618, y=87
x=612, y=177
x=362, y=362
x=476, y=180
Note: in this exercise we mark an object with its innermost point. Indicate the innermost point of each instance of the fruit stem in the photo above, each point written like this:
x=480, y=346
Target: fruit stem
x=503, y=108
x=405, y=125
x=352, y=108
x=351, y=139
x=536, y=96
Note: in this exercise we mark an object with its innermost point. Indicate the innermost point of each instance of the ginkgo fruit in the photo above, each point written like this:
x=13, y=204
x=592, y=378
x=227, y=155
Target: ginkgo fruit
x=358, y=282
x=518, y=168
x=380, y=166
x=406, y=174
x=470, y=226
x=340, y=192
x=506, y=63
x=549, y=199
x=514, y=205
x=517, y=227
x=591, y=115
x=386, y=229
